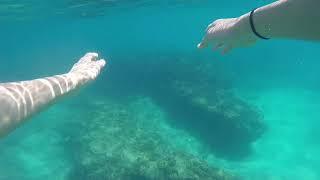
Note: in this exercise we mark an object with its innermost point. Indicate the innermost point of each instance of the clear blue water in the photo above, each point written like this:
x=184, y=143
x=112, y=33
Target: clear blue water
x=279, y=77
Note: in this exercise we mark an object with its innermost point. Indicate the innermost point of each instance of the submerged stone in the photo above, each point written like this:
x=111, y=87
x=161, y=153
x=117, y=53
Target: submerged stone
x=197, y=96
x=129, y=142
x=200, y=99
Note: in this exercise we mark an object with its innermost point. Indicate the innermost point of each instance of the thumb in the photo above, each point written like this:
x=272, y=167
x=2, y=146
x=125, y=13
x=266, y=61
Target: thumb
x=202, y=45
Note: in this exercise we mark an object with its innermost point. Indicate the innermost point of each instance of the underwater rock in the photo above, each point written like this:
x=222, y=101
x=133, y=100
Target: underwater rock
x=120, y=141
x=197, y=94
x=199, y=97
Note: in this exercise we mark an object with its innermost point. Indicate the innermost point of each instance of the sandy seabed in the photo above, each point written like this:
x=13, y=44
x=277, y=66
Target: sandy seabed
x=287, y=151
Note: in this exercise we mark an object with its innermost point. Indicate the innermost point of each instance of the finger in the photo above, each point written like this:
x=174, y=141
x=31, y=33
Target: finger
x=226, y=49
x=204, y=43
x=210, y=26
x=216, y=47
x=207, y=40
x=89, y=57
x=101, y=63
x=98, y=65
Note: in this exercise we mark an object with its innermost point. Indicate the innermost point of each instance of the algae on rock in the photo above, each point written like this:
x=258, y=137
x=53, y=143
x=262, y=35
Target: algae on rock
x=123, y=141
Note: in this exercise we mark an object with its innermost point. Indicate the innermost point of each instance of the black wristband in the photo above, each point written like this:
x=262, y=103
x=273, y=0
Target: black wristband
x=253, y=27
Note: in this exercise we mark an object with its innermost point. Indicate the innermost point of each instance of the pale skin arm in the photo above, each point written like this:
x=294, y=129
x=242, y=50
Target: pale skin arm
x=20, y=100
x=288, y=19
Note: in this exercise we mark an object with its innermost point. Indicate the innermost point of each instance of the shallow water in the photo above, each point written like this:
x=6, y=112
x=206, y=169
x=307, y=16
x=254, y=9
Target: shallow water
x=142, y=41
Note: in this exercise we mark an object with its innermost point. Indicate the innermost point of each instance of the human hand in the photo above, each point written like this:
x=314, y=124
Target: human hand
x=86, y=69
x=226, y=34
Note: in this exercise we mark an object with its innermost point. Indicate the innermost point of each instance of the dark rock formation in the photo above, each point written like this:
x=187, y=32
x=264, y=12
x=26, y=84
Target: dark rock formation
x=197, y=95
x=118, y=143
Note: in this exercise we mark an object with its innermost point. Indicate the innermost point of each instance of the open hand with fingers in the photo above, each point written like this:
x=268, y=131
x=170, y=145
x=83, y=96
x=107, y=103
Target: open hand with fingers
x=226, y=34
x=87, y=68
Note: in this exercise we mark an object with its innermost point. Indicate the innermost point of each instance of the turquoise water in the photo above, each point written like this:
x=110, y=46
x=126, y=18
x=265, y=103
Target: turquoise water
x=135, y=109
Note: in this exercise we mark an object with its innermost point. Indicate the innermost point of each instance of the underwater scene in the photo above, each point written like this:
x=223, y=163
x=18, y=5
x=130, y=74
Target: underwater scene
x=161, y=109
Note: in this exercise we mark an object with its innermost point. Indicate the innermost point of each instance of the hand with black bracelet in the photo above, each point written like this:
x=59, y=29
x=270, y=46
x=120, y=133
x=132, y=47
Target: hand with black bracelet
x=288, y=19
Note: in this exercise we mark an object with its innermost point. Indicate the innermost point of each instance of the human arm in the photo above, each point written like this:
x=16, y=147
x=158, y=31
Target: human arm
x=20, y=100
x=290, y=19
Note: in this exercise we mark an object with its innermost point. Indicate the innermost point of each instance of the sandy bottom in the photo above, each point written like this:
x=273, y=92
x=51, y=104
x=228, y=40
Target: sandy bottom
x=290, y=148
x=288, y=151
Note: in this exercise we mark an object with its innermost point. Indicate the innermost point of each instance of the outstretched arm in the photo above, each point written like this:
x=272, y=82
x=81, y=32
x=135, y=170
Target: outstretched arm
x=20, y=100
x=292, y=19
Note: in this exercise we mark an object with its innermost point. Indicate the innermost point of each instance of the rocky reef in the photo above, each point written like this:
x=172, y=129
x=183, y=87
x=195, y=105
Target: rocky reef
x=130, y=141
x=131, y=131
x=198, y=95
